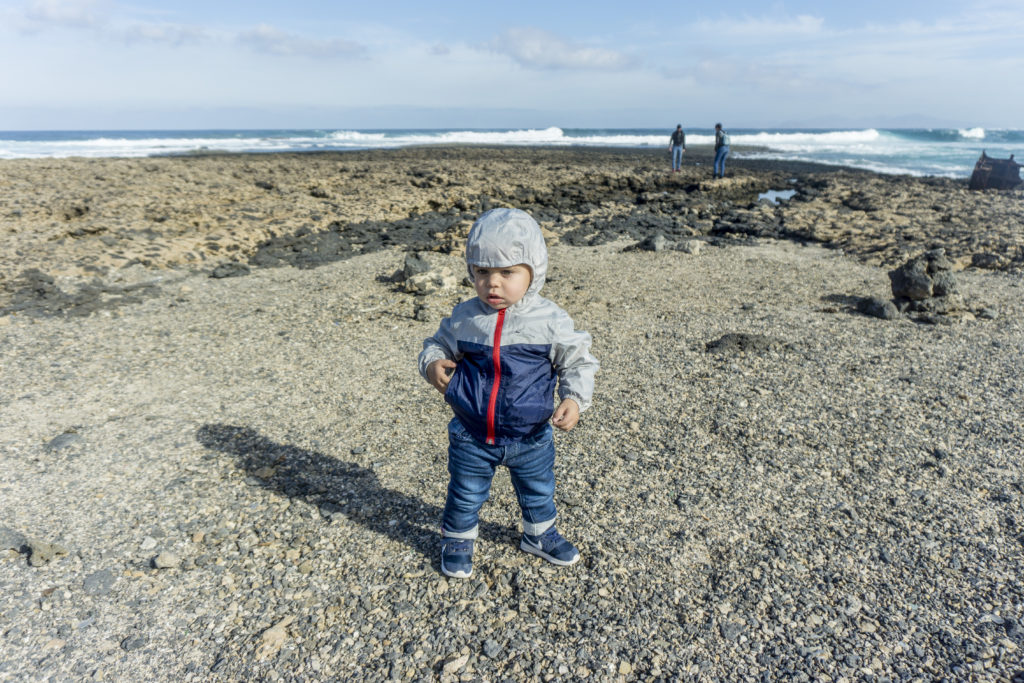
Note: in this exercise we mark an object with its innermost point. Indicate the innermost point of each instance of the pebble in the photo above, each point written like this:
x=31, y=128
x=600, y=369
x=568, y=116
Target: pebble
x=99, y=582
x=167, y=560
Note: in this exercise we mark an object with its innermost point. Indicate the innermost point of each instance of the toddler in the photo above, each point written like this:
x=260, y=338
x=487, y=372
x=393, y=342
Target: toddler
x=497, y=359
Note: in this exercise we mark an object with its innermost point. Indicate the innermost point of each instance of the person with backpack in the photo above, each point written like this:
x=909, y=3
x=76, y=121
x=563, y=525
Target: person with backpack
x=721, y=151
x=677, y=145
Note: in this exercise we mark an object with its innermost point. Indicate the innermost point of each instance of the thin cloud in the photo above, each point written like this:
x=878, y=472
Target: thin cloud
x=769, y=28
x=536, y=48
x=169, y=34
x=64, y=13
x=270, y=40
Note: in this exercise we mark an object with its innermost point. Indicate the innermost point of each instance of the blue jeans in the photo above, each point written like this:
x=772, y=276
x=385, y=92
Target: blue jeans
x=471, y=466
x=720, y=156
x=677, y=157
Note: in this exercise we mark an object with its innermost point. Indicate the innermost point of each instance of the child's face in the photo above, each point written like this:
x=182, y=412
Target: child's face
x=502, y=287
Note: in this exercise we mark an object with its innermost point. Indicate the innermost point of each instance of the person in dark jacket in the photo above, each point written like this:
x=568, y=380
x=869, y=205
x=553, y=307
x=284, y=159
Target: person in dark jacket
x=721, y=151
x=677, y=145
x=497, y=359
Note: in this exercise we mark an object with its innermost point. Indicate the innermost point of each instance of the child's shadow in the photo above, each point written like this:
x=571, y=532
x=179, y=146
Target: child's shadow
x=335, y=486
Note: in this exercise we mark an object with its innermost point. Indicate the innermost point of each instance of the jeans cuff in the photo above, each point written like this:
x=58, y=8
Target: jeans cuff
x=471, y=534
x=537, y=528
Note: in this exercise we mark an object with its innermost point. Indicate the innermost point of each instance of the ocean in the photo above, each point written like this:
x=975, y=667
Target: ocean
x=947, y=152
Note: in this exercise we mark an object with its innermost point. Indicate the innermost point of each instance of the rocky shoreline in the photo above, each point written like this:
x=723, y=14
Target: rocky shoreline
x=219, y=463
x=74, y=229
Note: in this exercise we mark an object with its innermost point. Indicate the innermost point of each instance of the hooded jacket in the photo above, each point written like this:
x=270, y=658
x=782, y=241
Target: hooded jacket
x=509, y=361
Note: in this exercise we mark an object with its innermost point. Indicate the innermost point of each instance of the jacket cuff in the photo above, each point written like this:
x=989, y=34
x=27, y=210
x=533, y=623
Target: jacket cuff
x=427, y=357
x=580, y=401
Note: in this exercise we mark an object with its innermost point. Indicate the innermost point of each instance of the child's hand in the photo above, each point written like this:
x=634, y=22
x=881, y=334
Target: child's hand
x=567, y=414
x=438, y=373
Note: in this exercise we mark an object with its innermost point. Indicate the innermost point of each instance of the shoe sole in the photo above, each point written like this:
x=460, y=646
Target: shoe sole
x=455, y=575
x=534, y=550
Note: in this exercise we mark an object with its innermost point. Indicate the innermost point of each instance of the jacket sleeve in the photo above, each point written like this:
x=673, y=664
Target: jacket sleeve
x=441, y=345
x=576, y=367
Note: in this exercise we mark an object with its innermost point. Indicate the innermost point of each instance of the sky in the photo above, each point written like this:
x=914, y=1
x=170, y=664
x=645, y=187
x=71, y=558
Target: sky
x=187, y=64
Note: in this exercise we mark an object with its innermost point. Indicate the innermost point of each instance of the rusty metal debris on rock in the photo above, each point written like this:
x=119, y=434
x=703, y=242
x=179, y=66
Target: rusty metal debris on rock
x=995, y=174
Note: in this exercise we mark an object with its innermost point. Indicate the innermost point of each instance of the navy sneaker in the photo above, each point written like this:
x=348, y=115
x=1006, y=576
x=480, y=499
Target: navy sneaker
x=552, y=547
x=457, y=557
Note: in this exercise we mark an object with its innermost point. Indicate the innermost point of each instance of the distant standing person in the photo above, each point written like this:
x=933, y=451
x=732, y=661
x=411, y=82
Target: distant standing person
x=677, y=145
x=721, y=151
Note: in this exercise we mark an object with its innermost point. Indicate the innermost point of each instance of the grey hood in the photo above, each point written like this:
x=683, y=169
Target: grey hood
x=508, y=237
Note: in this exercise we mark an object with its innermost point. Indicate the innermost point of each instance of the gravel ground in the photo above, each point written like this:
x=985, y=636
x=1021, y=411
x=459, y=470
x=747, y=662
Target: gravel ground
x=241, y=479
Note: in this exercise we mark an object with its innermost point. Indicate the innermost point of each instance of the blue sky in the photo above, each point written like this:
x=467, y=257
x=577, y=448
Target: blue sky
x=106, y=64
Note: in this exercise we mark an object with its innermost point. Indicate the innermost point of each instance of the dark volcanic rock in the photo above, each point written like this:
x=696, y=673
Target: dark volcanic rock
x=878, y=308
x=736, y=342
x=36, y=293
x=307, y=248
x=230, y=269
x=911, y=280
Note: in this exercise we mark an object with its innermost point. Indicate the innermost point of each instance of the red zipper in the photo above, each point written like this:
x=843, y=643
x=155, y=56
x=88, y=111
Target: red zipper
x=496, y=357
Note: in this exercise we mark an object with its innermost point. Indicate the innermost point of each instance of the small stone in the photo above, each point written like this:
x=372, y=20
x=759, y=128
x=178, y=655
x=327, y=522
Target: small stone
x=99, y=583
x=731, y=630
x=273, y=639
x=414, y=264
x=133, y=643
x=230, y=269
x=455, y=663
x=41, y=552
x=878, y=308
x=691, y=247
x=625, y=668
x=264, y=473
x=148, y=543
x=491, y=648
x=63, y=441
x=166, y=560
x=655, y=243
